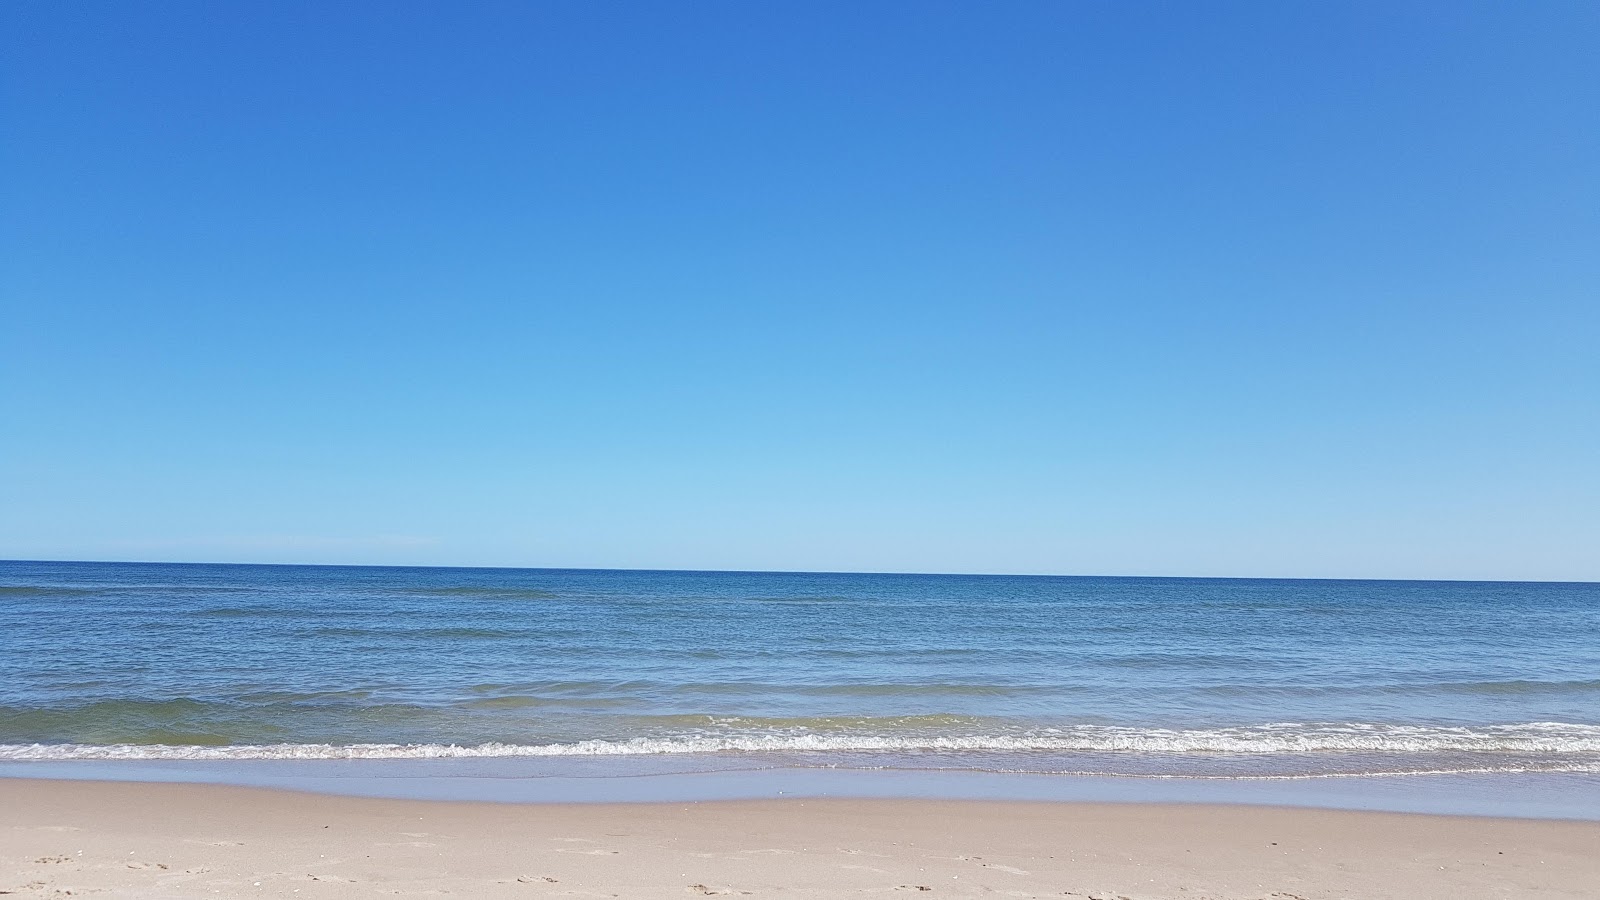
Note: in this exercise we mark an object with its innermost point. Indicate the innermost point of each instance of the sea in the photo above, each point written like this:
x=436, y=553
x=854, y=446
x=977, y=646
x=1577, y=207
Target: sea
x=518, y=675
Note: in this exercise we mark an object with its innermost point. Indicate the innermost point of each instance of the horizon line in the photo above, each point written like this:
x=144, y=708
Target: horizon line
x=155, y=562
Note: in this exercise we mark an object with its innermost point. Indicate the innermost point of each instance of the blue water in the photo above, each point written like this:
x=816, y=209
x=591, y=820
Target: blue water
x=640, y=672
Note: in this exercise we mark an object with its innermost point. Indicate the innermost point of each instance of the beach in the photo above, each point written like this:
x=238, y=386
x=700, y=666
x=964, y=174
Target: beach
x=79, y=838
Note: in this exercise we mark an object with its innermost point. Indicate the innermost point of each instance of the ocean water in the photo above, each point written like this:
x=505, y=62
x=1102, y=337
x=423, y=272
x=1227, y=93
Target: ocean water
x=581, y=672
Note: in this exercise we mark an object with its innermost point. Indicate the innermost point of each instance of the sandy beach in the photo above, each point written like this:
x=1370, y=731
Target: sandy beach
x=64, y=838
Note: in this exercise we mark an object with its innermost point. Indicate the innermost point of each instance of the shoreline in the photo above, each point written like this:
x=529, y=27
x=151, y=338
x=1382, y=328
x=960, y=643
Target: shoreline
x=179, y=840
x=1498, y=795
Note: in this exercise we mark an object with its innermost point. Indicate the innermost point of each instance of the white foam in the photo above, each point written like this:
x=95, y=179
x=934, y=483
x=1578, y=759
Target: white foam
x=1280, y=738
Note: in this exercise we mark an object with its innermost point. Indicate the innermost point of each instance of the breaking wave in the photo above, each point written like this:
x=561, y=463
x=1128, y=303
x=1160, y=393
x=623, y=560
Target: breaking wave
x=1522, y=740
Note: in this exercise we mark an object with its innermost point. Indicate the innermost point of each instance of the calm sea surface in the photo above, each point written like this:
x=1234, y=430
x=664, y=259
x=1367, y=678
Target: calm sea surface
x=699, y=671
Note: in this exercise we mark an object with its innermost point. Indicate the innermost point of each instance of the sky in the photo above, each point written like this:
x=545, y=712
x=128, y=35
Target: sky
x=1235, y=289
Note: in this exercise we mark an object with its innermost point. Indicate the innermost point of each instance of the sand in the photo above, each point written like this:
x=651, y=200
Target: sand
x=109, y=839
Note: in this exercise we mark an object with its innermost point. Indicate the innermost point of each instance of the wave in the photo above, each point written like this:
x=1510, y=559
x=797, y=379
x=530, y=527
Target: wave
x=879, y=689
x=7, y=590
x=51, y=590
x=484, y=591
x=1525, y=686
x=802, y=599
x=250, y=612
x=1535, y=738
x=1511, y=687
x=419, y=633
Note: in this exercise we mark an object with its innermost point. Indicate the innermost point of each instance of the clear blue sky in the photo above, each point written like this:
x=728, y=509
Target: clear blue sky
x=1297, y=289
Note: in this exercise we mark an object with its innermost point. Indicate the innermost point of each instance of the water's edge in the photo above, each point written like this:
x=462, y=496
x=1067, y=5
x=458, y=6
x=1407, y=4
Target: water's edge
x=1572, y=796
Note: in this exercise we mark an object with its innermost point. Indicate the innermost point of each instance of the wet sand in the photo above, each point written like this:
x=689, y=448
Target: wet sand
x=113, y=839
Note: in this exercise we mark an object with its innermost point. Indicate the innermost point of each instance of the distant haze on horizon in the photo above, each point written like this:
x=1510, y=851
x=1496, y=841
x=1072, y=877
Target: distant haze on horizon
x=1084, y=576
x=1234, y=289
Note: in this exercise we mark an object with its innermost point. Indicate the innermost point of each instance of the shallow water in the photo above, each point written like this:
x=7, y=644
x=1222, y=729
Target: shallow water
x=643, y=672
